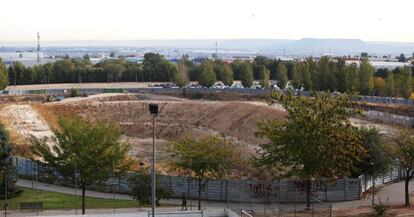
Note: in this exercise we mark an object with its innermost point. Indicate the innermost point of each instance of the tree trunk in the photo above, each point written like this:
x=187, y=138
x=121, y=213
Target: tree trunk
x=83, y=199
x=308, y=186
x=407, y=181
x=199, y=193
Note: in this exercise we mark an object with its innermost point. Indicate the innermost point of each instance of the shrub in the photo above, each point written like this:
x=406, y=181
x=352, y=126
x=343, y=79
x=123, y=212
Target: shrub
x=74, y=92
x=381, y=208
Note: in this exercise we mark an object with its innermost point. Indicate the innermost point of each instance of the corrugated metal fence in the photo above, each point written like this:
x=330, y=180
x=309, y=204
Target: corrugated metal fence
x=283, y=191
x=374, y=99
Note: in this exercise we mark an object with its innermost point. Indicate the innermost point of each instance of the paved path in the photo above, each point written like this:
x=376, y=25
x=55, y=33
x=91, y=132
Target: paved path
x=394, y=192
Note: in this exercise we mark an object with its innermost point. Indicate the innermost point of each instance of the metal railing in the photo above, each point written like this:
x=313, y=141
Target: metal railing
x=245, y=213
x=318, y=209
x=178, y=214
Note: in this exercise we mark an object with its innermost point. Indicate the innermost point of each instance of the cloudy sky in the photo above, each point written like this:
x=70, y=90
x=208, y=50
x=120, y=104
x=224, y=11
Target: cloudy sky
x=57, y=20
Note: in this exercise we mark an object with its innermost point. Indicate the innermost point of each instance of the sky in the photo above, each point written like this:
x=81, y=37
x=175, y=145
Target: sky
x=69, y=20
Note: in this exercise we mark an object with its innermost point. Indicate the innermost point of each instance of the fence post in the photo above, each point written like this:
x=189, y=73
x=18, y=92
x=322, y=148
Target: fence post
x=345, y=188
x=330, y=210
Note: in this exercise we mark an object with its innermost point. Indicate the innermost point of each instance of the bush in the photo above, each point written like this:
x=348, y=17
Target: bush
x=74, y=92
x=381, y=208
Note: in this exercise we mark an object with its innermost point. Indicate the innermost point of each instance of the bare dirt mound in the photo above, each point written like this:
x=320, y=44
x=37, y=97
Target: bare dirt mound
x=24, y=122
x=176, y=119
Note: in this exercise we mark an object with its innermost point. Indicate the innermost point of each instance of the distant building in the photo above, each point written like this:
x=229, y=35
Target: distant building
x=391, y=65
x=26, y=58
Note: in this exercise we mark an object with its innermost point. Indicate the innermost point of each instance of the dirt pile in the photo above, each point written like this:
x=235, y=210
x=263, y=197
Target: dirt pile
x=236, y=120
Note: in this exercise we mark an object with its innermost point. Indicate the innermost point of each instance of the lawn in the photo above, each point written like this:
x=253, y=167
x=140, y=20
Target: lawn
x=53, y=200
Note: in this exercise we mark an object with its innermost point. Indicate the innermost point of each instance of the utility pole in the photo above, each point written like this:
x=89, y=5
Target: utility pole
x=38, y=48
x=216, y=51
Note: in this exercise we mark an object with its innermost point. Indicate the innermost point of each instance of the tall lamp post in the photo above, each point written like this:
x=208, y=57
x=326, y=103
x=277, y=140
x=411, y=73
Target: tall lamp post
x=373, y=181
x=153, y=108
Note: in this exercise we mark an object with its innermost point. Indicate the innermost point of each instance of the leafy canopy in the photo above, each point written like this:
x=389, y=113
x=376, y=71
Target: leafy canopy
x=315, y=140
x=94, y=148
x=208, y=156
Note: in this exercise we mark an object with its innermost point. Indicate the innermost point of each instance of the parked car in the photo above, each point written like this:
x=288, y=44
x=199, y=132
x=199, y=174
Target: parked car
x=155, y=86
x=237, y=86
x=169, y=85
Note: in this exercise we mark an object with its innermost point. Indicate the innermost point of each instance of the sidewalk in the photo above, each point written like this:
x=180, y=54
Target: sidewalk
x=394, y=192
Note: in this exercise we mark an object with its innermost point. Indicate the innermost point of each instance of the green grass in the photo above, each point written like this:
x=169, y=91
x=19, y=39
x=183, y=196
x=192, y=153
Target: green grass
x=53, y=200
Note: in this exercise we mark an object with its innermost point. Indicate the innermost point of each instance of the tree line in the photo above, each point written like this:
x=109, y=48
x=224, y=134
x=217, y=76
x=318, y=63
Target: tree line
x=324, y=74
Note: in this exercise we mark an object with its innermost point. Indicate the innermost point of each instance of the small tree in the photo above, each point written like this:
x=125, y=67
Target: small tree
x=227, y=76
x=74, y=92
x=181, y=77
x=378, y=159
x=93, y=149
x=206, y=157
x=4, y=77
x=265, y=76
x=405, y=153
x=366, y=72
x=296, y=77
x=246, y=74
x=141, y=191
x=7, y=169
x=281, y=76
x=207, y=76
x=390, y=85
x=316, y=140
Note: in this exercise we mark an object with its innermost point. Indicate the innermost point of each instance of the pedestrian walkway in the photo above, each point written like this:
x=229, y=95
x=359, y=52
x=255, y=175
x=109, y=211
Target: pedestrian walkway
x=394, y=192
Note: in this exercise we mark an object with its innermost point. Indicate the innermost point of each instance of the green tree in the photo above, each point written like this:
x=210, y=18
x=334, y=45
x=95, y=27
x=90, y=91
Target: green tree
x=402, y=58
x=405, y=82
x=390, y=85
x=297, y=77
x=141, y=190
x=380, y=87
x=323, y=74
x=265, y=76
x=366, y=72
x=281, y=76
x=313, y=73
x=316, y=140
x=378, y=159
x=152, y=67
x=7, y=169
x=94, y=149
x=114, y=70
x=246, y=74
x=169, y=71
x=4, y=76
x=405, y=154
x=341, y=75
x=305, y=76
x=352, y=78
x=227, y=76
x=206, y=157
x=181, y=77
x=207, y=76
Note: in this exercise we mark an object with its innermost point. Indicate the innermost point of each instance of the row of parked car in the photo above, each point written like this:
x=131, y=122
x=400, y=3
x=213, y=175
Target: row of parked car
x=217, y=85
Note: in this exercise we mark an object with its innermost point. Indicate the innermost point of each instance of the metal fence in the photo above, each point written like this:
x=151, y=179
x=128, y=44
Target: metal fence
x=374, y=99
x=395, y=174
x=270, y=198
x=389, y=118
x=230, y=191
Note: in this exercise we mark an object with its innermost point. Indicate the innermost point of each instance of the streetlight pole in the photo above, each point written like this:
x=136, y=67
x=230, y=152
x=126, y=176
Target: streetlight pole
x=373, y=182
x=154, y=112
